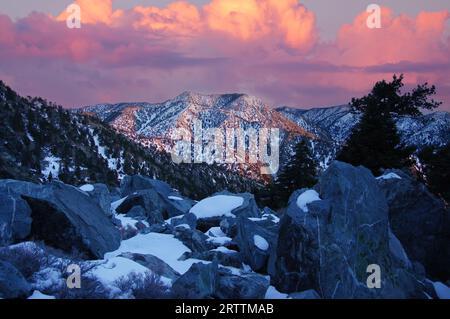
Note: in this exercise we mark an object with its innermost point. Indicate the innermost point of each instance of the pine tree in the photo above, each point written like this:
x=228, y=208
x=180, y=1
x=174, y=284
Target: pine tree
x=299, y=173
x=17, y=122
x=375, y=142
x=436, y=168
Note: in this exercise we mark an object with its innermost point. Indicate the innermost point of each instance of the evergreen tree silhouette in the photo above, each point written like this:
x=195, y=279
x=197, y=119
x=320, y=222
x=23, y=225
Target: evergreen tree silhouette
x=375, y=142
x=299, y=172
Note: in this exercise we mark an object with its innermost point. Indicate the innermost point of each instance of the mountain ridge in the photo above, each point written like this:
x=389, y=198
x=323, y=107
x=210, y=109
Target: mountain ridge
x=327, y=128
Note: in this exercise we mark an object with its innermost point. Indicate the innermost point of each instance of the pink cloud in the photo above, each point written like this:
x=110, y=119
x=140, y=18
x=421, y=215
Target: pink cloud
x=401, y=38
x=268, y=48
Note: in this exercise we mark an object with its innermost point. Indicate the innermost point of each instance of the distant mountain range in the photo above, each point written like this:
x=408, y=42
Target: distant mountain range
x=101, y=143
x=151, y=124
x=40, y=141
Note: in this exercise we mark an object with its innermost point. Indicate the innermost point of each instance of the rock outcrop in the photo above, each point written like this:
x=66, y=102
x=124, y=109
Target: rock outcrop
x=15, y=218
x=157, y=198
x=420, y=221
x=65, y=217
x=329, y=240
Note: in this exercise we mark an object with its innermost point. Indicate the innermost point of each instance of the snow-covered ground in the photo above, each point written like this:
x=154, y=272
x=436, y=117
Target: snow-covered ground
x=112, y=269
x=165, y=247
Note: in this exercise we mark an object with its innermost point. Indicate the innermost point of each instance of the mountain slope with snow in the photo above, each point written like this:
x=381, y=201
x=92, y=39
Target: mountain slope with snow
x=327, y=128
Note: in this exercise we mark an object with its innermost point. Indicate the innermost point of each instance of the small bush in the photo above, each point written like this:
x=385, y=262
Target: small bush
x=91, y=288
x=143, y=286
x=28, y=259
x=128, y=232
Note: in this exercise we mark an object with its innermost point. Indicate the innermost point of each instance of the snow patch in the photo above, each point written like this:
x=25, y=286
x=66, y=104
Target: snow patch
x=217, y=206
x=39, y=295
x=87, y=188
x=260, y=242
x=117, y=203
x=174, y=198
x=215, y=232
x=389, y=176
x=273, y=293
x=224, y=250
x=126, y=221
x=442, y=290
x=220, y=241
x=185, y=226
x=165, y=247
x=117, y=267
x=306, y=198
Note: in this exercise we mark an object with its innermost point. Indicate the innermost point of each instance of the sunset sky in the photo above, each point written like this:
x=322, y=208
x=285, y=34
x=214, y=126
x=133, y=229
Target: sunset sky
x=298, y=53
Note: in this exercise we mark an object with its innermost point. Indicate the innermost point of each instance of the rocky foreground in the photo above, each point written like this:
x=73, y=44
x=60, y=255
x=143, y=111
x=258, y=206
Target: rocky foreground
x=146, y=240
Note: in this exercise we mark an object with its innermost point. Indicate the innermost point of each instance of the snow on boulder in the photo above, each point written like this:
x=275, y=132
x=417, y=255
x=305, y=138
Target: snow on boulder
x=126, y=222
x=215, y=232
x=174, y=198
x=260, y=242
x=117, y=203
x=165, y=247
x=87, y=188
x=442, y=291
x=217, y=206
x=306, y=198
x=224, y=250
x=39, y=295
x=273, y=293
x=389, y=176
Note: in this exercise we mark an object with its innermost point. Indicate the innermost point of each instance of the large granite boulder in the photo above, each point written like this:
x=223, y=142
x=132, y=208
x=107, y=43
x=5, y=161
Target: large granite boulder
x=420, y=220
x=12, y=283
x=295, y=257
x=15, y=218
x=243, y=286
x=308, y=294
x=65, y=217
x=204, y=281
x=186, y=219
x=330, y=237
x=255, y=243
x=149, y=201
x=131, y=184
x=199, y=282
x=224, y=256
x=101, y=195
x=168, y=201
x=194, y=239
